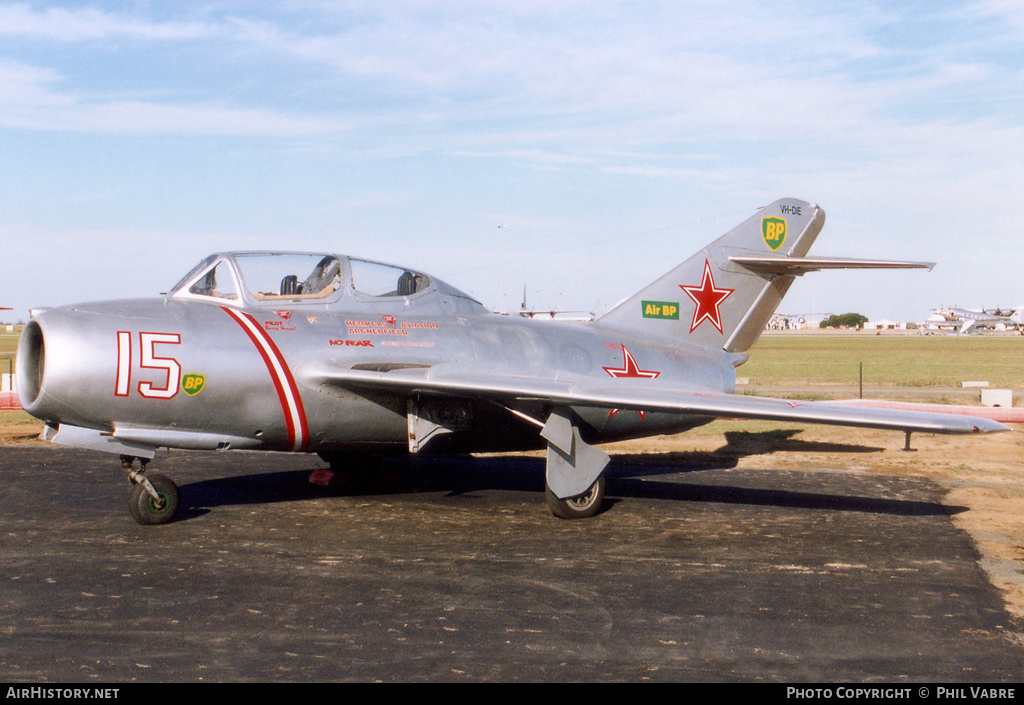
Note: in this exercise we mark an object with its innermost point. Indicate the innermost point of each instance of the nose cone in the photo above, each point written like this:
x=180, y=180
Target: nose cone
x=65, y=367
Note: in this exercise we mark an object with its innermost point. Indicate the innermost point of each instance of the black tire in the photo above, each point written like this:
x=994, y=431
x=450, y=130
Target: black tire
x=582, y=506
x=357, y=472
x=148, y=511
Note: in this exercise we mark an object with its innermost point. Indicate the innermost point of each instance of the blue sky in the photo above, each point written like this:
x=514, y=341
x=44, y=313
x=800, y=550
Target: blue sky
x=609, y=140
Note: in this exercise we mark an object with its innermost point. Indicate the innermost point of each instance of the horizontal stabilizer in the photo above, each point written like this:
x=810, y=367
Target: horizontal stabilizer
x=796, y=266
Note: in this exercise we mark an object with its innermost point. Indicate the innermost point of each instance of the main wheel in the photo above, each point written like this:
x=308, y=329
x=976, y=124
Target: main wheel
x=148, y=510
x=580, y=507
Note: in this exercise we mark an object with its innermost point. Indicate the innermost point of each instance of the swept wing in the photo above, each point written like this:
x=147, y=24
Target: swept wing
x=509, y=387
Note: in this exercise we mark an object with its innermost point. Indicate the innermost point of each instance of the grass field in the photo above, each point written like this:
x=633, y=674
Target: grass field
x=889, y=360
x=8, y=350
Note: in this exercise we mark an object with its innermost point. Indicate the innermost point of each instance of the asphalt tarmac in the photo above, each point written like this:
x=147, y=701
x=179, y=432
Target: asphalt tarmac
x=453, y=569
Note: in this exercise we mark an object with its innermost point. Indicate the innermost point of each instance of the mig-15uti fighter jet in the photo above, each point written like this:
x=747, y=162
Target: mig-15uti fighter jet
x=343, y=357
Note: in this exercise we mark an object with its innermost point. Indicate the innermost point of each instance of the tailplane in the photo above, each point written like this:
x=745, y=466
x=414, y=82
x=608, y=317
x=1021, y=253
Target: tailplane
x=723, y=296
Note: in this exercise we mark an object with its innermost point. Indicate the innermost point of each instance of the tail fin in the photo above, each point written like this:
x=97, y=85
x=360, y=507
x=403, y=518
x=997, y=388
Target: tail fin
x=716, y=301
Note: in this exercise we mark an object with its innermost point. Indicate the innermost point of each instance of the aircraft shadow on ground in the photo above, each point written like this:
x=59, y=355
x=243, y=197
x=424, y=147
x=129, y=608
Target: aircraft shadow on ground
x=629, y=476
x=738, y=444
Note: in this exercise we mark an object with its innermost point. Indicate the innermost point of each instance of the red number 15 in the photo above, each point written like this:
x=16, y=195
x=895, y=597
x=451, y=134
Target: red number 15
x=148, y=361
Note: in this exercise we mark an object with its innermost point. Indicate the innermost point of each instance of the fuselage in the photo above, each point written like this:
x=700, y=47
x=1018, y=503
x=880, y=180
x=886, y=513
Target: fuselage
x=203, y=364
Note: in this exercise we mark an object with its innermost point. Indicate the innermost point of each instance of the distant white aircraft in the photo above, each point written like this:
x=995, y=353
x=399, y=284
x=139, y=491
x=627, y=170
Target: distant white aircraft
x=554, y=314
x=968, y=320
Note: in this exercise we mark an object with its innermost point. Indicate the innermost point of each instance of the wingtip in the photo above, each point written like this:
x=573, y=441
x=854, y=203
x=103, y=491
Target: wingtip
x=990, y=426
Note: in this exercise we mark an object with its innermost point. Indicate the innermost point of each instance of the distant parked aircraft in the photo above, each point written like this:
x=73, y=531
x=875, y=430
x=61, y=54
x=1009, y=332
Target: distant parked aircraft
x=968, y=320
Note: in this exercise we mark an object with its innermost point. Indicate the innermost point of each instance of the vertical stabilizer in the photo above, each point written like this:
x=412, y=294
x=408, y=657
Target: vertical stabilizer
x=711, y=301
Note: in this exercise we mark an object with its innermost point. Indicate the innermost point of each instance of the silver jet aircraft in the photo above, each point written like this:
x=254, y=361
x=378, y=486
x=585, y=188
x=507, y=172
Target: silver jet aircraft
x=343, y=357
x=967, y=320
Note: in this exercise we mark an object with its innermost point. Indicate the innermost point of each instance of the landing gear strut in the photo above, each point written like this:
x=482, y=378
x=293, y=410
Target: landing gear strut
x=154, y=497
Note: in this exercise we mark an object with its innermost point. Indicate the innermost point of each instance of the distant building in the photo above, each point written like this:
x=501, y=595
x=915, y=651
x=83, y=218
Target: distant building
x=782, y=321
x=891, y=325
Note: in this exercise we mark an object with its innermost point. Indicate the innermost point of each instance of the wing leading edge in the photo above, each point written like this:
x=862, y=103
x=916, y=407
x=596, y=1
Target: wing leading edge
x=585, y=392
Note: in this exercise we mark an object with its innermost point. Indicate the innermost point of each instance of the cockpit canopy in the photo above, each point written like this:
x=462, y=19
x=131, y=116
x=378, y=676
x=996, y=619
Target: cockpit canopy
x=249, y=278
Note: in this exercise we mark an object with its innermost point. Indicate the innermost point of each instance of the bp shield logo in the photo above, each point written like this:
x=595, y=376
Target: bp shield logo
x=773, y=230
x=192, y=384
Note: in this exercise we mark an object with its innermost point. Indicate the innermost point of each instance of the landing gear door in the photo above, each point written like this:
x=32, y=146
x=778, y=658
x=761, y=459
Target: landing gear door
x=431, y=419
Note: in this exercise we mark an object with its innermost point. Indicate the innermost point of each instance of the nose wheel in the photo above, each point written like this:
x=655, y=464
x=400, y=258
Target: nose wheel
x=153, y=498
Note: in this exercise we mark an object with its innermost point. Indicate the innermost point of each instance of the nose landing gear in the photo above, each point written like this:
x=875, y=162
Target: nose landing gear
x=154, y=497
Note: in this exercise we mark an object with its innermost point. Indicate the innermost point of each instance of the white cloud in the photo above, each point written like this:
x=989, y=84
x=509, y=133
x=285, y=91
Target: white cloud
x=32, y=99
x=586, y=79
x=90, y=24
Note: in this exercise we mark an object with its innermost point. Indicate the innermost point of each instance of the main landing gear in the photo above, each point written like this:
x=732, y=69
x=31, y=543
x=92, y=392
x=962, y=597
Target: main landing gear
x=154, y=497
x=575, y=469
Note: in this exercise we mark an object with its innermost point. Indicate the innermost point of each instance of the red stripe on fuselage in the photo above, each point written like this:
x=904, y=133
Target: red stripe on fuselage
x=280, y=374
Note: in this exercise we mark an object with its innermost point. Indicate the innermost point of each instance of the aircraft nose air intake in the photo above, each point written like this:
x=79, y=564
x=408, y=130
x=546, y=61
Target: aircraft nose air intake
x=57, y=364
x=31, y=358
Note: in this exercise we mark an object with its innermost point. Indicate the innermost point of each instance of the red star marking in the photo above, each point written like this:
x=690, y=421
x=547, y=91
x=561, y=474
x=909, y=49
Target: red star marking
x=708, y=298
x=615, y=411
x=630, y=368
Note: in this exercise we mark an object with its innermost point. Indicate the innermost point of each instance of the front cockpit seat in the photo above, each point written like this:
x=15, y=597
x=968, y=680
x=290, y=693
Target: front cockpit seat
x=407, y=284
x=290, y=285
